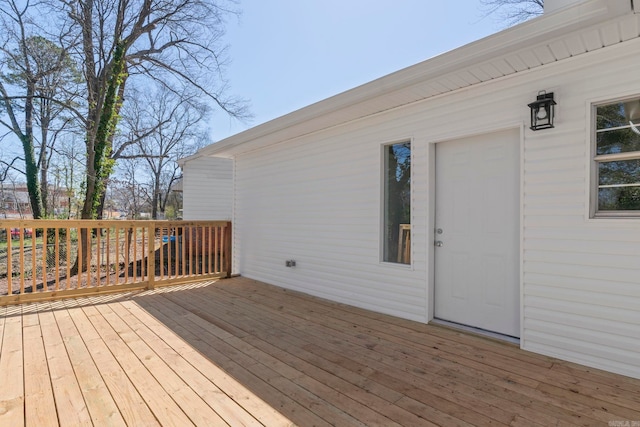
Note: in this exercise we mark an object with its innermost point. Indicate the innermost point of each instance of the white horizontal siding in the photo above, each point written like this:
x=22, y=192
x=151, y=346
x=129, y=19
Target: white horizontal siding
x=581, y=276
x=207, y=189
x=317, y=199
x=319, y=203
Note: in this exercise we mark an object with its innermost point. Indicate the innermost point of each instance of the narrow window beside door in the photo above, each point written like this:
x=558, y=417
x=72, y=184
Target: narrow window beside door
x=397, y=203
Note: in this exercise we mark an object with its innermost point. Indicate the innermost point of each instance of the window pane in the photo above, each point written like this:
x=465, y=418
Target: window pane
x=619, y=199
x=620, y=172
x=618, y=114
x=617, y=141
x=397, y=203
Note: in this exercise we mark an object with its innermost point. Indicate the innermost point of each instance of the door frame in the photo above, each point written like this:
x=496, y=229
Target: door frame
x=431, y=162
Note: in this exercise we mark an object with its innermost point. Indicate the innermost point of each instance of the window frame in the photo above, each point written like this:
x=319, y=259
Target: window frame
x=595, y=160
x=384, y=147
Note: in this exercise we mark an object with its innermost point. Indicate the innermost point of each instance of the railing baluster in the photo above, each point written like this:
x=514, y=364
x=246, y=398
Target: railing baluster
x=216, y=250
x=174, y=257
x=142, y=263
x=160, y=267
x=33, y=259
x=56, y=251
x=210, y=244
x=117, y=265
x=166, y=262
x=227, y=249
x=135, y=253
x=189, y=250
x=222, y=254
x=183, y=249
x=80, y=251
x=45, y=253
x=126, y=254
x=9, y=262
x=68, y=278
x=151, y=256
x=22, y=272
x=202, y=260
x=108, y=258
x=89, y=255
x=98, y=254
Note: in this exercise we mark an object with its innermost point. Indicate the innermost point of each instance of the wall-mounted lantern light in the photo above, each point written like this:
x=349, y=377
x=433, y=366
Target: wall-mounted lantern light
x=542, y=111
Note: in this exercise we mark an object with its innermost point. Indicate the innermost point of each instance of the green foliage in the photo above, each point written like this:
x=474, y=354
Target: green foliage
x=103, y=163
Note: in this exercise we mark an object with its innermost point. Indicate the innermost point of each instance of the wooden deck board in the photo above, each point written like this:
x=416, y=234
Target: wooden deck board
x=210, y=341
x=160, y=402
x=222, y=406
x=99, y=400
x=11, y=368
x=230, y=394
x=286, y=363
x=241, y=353
x=495, y=357
x=70, y=405
x=38, y=389
x=288, y=338
x=458, y=395
x=131, y=405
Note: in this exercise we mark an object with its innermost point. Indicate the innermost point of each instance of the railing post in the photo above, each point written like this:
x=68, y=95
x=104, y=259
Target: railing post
x=151, y=255
x=227, y=249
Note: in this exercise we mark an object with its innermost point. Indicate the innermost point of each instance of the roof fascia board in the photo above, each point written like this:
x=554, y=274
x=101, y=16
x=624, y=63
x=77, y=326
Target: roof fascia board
x=554, y=25
x=182, y=161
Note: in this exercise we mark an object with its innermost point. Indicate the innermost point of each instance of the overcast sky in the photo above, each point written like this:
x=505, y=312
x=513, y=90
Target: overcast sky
x=286, y=54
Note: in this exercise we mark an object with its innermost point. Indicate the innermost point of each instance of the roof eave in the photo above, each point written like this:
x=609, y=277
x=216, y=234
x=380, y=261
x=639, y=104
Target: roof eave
x=561, y=22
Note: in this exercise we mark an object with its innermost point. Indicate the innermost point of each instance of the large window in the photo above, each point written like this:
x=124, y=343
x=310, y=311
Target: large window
x=616, y=158
x=397, y=203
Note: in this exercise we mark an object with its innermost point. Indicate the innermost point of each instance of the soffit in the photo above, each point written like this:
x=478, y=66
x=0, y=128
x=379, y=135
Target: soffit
x=568, y=33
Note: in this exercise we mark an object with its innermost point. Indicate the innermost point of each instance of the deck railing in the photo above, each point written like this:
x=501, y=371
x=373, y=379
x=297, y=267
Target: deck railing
x=49, y=259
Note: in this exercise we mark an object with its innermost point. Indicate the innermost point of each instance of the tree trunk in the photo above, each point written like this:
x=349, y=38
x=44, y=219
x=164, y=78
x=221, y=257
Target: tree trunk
x=99, y=162
x=154, y=199
x=43, y=161
x=31, y=168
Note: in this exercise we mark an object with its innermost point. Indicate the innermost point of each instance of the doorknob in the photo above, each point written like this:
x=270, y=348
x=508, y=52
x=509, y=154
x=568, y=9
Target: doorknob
x=438, y=243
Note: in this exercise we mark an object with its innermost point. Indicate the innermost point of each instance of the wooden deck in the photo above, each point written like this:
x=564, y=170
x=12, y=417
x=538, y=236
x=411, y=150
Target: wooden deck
x=238, y=352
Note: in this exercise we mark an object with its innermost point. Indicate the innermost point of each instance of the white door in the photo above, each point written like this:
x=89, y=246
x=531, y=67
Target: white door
x=477, y=232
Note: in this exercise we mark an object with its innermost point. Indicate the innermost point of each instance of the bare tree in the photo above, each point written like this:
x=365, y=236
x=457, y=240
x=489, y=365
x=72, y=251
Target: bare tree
x=34, y=72
x=166, y=127
x=127, y=194
x=68, y=171
x=512, y=12
x=174, y=42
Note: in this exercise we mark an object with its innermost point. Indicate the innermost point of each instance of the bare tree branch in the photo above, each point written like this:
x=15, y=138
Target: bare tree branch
x=9, y=166
x=512, y=12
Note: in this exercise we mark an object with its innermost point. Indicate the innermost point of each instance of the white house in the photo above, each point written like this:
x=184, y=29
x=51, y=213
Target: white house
x=425, y=194
x=206, y=187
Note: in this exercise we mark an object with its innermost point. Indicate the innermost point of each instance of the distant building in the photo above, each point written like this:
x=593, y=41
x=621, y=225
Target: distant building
x=14, y=201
